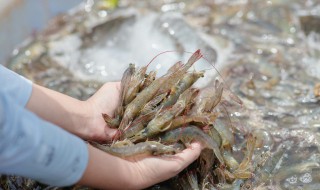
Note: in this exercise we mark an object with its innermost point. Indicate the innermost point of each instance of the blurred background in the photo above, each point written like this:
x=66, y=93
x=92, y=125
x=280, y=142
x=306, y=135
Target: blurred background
x=20, y=19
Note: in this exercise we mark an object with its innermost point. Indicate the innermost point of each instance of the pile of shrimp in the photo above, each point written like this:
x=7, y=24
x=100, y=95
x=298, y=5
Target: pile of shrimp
x=161, y=116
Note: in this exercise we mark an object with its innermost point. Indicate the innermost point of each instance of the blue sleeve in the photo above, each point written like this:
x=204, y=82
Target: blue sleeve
x=14, y=85
x=35, y=148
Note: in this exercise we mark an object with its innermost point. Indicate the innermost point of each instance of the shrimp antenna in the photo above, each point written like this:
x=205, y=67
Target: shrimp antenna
x=212, y=64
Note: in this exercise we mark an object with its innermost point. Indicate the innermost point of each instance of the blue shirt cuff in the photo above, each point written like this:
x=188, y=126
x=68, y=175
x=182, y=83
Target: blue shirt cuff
x=35, y=148
x=16, y=86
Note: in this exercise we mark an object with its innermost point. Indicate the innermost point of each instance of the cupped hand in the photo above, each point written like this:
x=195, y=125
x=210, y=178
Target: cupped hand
x=105, y=171
x=105, y=100
x=147, y=171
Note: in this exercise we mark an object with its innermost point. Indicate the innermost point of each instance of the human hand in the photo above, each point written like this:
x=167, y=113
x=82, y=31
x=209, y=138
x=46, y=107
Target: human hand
x=105, y=100
x=105, y=171
x=147, y=171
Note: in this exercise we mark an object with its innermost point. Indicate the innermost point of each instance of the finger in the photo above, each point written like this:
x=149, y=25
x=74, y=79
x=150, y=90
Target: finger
x=190, y=154
x=110, y=133
x=178, y=162
x=166, y=167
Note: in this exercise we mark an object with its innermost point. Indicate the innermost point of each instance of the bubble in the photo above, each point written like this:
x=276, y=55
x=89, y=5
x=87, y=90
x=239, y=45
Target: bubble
x=306, y=178
x=158, y=66
x=165, y=25
x=274, y=50
x=15, y=52
x=292, y=180
x=27, y=53
x=103, y=13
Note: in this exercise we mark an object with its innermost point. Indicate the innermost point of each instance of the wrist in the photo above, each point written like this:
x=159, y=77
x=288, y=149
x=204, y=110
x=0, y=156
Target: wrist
x=105, y=171
x=105, y=100
x=64, y=111
x=84, y=120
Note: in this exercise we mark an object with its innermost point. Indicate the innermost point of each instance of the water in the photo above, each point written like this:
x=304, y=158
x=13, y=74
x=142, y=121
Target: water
x=267, y=53
x=131, y=37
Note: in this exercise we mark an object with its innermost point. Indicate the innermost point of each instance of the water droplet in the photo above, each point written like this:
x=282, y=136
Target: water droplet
x=165, y=25
x=274, y=50
x=158, y=66
x=290, y=41
x=293, y=29
x=88, y=5
x=103, y=13
x=27, y=53
x=237, y=114
x=171, y=32
x=292, y=180
x=306, y=178
x=251, y=15
x=15, y=52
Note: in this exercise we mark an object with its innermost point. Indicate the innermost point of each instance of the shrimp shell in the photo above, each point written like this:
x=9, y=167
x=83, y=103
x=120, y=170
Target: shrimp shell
x=162, y=121
x=190, y=133
x=187, y=81
x=148, y=93
x=148, y=147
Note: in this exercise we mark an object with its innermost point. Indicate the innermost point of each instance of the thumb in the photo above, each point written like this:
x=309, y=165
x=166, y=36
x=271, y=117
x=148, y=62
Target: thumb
x=111, y=133
x=191, y=153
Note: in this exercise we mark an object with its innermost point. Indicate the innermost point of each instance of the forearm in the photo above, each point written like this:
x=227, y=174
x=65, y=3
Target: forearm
x=105, y=171
x=34, y=148
x=62, y=110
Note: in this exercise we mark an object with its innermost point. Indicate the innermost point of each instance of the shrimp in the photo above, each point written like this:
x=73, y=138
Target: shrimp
x=203, y=119
x=190, y=133
x=138, y=124
x=111, y=122
x=243, y=171
x=152, y=104
x=236, y=185
x=134, y=85
x=122, y=143
x=187, y=81
x=125, y=81
x=234, y=97
x=225, y=131
x=206, y=159
x=139, y=102
x=148, y=93
x=149, y=79
x=190, y=181
x=265, y=168
x=162, y=121
x=264, y=138
x=231, y=162
x=214, y=134
x=148, y=147
x=175, y=67
x=208, y=99
x=177, y=75
x=216, y=98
